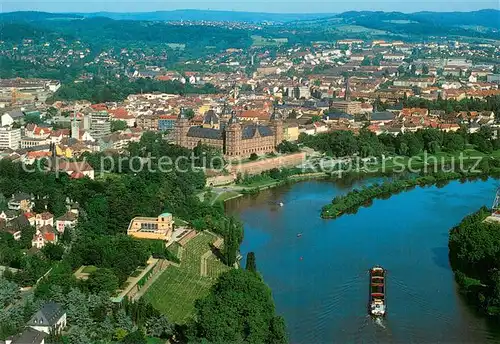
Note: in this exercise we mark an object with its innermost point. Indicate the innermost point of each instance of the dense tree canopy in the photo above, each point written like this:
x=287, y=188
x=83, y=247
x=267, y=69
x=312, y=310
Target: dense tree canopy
x=475, y=257
x=239, y=309
x=345, y=143
x=100, y=90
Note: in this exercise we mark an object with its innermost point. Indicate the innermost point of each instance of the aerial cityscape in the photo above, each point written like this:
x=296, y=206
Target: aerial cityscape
x=249, y=173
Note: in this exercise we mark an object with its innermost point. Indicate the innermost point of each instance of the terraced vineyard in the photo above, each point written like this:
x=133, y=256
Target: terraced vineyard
x=175, y=291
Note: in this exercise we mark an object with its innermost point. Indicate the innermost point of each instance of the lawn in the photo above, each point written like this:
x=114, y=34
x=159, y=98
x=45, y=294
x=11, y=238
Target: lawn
x=227, y=195
x=89, y=269
x=175, y=291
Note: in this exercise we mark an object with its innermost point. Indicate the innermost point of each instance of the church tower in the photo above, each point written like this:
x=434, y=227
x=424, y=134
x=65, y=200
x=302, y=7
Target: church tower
x=181, y=129
x=233, y=137
x=277, y=127
x=75, y=129
x=347, y=93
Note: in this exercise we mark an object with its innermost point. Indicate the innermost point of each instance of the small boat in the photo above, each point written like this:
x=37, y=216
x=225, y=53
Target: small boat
x=299, y=235
x=377, y=301
x=280, y=204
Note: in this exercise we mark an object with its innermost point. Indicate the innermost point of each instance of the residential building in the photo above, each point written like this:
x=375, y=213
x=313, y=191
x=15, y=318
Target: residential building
x=347, y=106
x=51, y=318
x=303, y=92
x=30, y=142
x=493, y=78
x=11, y=117
x=8, y=228
x=148, y=122
x=98, y=124
x=44, y=219
x=20, y=201
x=44, y=235
x=8, y=215
x=291, y=132
x=158, y=228
x=166, y=122
x=10, y=138
x=68, y=220
x=28, y=336
x=418, y=82
x=76, y=169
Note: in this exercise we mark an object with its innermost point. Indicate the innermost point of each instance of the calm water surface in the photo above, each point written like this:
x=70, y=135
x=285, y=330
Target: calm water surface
x=320, y=280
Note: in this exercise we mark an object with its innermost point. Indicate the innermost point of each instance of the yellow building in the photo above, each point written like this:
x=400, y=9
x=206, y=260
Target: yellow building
x=203, y=108
x=64, y=152
x=291, y=132
x=157, y=228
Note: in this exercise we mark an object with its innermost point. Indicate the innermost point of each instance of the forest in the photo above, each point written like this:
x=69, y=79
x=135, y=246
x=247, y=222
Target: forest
x=115, y=90
x=367, y=144
x=474, y=251
x=106, y=206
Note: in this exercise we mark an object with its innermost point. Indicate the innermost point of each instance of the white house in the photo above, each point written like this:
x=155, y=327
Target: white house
x=10, y=117
x=51, y=318
x=43, y=236
x=68, y=220
x=44, y=219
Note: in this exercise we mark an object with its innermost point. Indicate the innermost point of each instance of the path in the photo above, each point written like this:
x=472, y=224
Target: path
x=150, y=281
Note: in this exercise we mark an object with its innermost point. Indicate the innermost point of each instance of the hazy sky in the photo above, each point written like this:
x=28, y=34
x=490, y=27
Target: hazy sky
x=282, y=6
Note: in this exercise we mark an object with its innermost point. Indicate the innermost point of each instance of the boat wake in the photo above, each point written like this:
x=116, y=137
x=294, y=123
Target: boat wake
x=380, y=323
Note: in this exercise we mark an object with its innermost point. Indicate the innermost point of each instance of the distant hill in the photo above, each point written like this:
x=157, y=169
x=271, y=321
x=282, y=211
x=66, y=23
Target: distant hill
x=486, y=18
x=299, y=28
x=477, y=24
x=198, y=15
x=29, y=16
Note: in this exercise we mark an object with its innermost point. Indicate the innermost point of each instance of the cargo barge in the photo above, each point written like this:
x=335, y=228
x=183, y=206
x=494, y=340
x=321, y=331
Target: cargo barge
x=377, y=300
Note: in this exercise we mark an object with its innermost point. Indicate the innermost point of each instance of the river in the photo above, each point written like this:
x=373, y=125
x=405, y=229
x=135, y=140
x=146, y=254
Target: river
x=320, y=279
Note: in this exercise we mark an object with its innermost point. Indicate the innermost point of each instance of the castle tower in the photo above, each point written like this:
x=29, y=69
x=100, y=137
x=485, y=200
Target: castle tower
x=277, y=127
x=233, y=137
x=181, y=129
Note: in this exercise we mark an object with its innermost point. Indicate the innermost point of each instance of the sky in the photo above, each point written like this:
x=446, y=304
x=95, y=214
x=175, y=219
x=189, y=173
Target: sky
x=277, y=6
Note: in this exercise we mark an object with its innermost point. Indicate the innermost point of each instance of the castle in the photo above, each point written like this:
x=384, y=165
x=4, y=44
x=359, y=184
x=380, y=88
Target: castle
x=233, y=138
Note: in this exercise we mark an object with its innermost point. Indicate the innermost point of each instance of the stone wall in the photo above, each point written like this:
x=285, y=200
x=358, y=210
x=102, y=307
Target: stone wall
x=256, y=167
x=221, y=180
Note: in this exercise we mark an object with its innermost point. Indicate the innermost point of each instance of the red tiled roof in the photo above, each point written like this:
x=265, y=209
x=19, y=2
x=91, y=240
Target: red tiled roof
x=259, y=114
x=164, y=78
x=60, y=132
x=46, y=215
x=39, y=130
x=99, y=106
x=49, y=237
x=76, y=166
x=77, y=175
x=168, y=117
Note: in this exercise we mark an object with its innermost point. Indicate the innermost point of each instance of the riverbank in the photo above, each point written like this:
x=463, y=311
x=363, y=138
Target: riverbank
x=234, y=191
x=474, y=246
x=390, y=166
x=352, y=201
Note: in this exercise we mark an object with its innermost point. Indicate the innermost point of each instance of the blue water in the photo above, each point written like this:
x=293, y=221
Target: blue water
x=320, y=281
